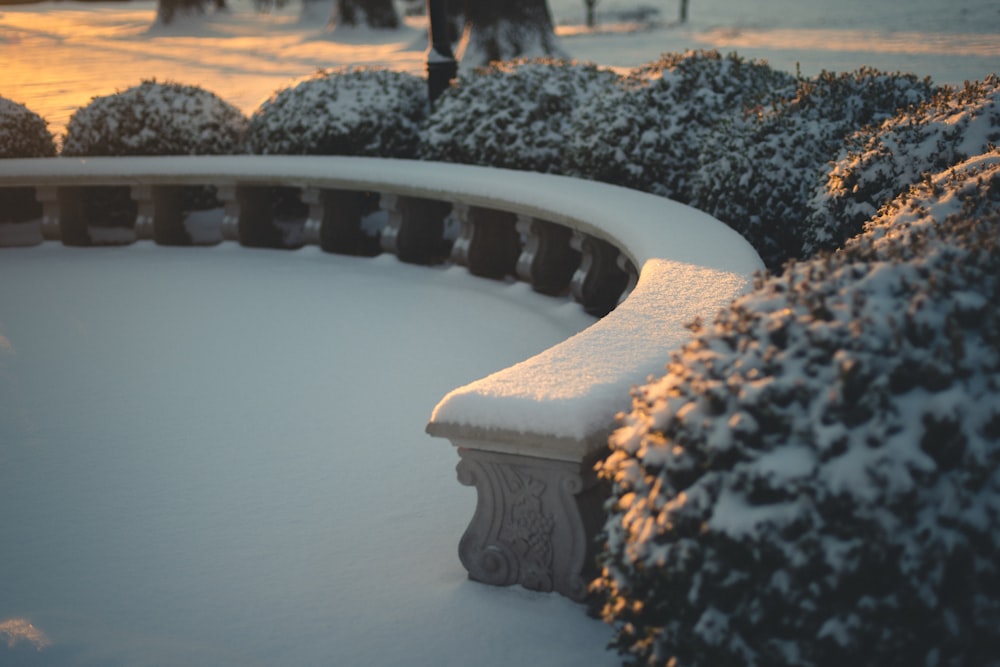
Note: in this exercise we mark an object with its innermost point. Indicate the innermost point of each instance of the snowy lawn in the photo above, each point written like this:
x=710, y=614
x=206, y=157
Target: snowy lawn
x=64, y=53
x=216, y=457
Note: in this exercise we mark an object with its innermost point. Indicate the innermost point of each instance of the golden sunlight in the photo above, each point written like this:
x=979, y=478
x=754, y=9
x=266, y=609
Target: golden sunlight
x=15, y=630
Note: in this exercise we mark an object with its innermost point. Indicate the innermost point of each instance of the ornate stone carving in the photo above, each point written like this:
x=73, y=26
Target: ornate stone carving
x=534, y=524
x=547, y=261
x=488, y=243
x=415, y=228
x=599, y=282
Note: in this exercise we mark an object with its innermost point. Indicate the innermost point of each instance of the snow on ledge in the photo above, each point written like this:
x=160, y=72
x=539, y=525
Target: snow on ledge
x=691, y=265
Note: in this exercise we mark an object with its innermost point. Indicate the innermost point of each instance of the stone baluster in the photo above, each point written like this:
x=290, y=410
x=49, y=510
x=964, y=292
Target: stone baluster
x=488, y=243
x=547, y=261
x=415, y=228
x=161, y=214
x=20, y=217
x=63, y=215
x=599, y=282
x=334, y=220
x=249, y=217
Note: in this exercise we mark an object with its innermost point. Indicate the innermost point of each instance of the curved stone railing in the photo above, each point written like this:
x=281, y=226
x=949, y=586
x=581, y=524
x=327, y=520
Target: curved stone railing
x=527, y=435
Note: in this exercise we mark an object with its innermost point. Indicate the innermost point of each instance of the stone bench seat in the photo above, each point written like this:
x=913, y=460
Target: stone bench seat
x=527, y=435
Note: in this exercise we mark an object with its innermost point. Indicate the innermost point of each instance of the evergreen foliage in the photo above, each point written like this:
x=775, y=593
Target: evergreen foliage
x=516, y=115
x=352, y=111
x=881, y=161
x=156, y=119
x=816, y=479
x=758, y=172
x=649, y=133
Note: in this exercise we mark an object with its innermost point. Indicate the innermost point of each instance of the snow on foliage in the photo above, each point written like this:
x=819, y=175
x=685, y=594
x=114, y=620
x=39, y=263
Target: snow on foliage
x=156, y=119
x=516, y=115
x=350, y=111
x=759, y=171
x=23, y=133
x=649, y=134
x=816, y=479
x=880, y=162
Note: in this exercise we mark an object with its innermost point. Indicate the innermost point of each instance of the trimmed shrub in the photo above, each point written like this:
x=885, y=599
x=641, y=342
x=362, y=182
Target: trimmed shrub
x=156, y=119
x=353, y=111
x=23, y=134
x=816, y=480
x=880, y=162
x=149, y=119
x=649, y=135
x=759, y=172
x=516, y=115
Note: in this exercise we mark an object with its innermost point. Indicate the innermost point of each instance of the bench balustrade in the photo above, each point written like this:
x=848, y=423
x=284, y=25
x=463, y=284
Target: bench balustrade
x=529, y=435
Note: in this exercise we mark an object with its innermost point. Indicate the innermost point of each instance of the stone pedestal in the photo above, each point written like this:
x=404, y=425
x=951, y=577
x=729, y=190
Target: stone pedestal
x=535, y=522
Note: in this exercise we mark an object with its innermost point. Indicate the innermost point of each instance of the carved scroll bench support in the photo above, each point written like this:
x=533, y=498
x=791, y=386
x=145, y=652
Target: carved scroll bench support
x=536, y=516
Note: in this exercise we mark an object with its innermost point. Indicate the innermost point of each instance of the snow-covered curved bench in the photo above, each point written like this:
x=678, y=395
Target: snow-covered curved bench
x=528, y=435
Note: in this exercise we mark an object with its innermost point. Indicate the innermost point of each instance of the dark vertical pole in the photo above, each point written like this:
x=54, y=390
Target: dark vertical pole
x=441, y=65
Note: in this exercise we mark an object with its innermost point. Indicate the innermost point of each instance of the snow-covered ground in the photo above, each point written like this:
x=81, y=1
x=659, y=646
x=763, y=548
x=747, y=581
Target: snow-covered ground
x=216, y=456
x=57, y=55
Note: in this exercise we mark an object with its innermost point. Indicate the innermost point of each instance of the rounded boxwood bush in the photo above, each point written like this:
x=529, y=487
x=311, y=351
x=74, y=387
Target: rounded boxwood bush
x=156, y=119
x=816, y=479
x=23, y=134
x=353, y=111
x=648, y=136
x=516, y=115
x=149, y=119
x=758, y=172
x=880, y=162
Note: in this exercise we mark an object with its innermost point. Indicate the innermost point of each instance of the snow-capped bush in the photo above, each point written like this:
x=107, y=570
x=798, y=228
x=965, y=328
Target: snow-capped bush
x=353, y=111
x=816, y=480
x=513, y=114
x=649, y=135
x=156, y=119
x=759, y=171
x=880, y=162
x=23, y=133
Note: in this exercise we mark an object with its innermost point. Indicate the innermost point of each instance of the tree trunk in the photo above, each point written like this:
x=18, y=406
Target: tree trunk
x=168, y=10
x=591, y=18
x=506, y=29
x=684, y=11
x=372, y=13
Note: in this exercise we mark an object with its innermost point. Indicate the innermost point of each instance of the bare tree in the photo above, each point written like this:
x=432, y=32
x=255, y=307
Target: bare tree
x=591, y=17
x=505, y=29
x=372, y=13
x=168, y=10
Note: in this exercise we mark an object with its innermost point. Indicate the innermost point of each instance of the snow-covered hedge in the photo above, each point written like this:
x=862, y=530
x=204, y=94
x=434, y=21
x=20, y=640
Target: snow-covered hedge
x=23, y=133
x=816, y=480
x=156, y=119
x=515, y=114
x=352, y=111
x=759, y=172
x=648, y=136
x=880, y=162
